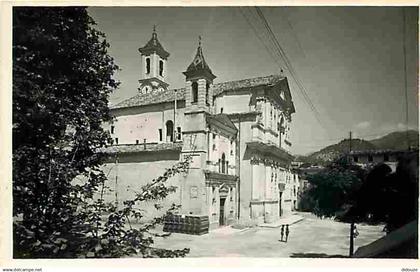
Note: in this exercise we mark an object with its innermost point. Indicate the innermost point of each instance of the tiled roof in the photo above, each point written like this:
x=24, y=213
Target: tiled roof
x=219, y=88
x=151, y=98
x=223, y=119
x=153, y=45
x=199, y=66
x=246, y=83
x=148, y=147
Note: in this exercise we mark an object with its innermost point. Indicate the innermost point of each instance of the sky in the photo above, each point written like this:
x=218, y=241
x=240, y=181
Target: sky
x=349, y=59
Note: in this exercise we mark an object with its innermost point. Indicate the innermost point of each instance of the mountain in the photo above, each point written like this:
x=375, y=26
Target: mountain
x=394, y=141
x=397, y=140
x=332, y=152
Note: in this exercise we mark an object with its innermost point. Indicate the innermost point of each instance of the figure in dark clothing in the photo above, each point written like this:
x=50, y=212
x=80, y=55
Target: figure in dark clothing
x=287, y=232
x=282, y=232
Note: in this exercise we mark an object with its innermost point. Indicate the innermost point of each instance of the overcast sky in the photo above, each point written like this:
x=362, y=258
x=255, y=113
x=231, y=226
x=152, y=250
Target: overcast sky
x=350, y=60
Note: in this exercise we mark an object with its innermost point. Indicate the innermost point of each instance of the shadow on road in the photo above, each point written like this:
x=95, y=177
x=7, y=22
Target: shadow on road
x=315, y=255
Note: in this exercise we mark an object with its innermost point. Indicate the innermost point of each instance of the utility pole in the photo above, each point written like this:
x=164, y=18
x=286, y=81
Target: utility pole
x=405, y=76
x=348, y=154
x=352, y=222
x=175, y=130
x=349, y=142
x=351, y=239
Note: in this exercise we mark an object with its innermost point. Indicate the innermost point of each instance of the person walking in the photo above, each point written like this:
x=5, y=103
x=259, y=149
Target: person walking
x=282, y=232
x=287, y=232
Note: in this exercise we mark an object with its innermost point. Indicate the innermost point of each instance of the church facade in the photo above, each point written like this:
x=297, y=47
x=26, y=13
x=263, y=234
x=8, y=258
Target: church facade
x=236, y=132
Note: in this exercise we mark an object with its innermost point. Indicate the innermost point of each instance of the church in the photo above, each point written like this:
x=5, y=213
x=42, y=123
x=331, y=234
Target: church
x=236, y=132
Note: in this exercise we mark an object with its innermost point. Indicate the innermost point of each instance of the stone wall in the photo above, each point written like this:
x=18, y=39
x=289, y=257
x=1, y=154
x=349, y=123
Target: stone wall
x=126, y=176
x=136, y=126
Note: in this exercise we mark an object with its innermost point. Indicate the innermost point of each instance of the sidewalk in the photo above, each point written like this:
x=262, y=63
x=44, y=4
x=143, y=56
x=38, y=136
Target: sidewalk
x=226, y=230
x=290, y=220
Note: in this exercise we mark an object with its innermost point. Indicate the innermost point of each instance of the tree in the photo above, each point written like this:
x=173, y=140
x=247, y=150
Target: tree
x=390, y=197
x=62, y=78
x=334, y=188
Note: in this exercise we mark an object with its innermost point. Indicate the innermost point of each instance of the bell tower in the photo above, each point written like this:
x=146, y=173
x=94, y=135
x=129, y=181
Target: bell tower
x=199, y=80
x=154, y=66
x=198, y=103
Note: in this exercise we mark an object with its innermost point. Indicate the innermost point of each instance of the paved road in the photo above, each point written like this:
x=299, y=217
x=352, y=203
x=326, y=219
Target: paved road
x=311, y=235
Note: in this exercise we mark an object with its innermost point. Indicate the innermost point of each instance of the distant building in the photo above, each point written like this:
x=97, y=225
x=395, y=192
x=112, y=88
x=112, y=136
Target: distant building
x=237, y=133
x=372, y=157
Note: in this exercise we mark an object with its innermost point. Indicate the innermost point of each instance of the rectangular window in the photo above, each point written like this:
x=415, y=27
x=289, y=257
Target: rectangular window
x=178, y=133
x=116, y=140
x=356, y=159
x=137, y=141
x=160, y=135
x=221, y=110
x=112, y=129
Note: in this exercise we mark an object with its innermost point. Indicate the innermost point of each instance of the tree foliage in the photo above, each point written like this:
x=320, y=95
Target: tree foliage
x=332, y=189
x=62, y=78
x=390, y=197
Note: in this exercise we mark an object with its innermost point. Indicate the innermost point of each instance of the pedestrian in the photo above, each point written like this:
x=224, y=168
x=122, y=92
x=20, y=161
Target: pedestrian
x=287, y=232
x=282, y=232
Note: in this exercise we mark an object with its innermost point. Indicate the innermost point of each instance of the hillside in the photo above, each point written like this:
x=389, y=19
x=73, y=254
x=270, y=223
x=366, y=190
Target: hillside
x=394, y=141
x=397, y=140
x=331, y=152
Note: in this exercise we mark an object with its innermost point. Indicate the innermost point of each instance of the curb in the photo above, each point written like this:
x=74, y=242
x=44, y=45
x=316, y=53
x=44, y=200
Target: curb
x=278, y=226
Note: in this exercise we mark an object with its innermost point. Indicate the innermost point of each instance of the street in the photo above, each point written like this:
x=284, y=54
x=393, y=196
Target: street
x=311, y=237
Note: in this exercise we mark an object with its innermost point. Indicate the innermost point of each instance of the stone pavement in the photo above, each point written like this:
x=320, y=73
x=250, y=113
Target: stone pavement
x=289, y=220
x=332, y=239
x=226, y=230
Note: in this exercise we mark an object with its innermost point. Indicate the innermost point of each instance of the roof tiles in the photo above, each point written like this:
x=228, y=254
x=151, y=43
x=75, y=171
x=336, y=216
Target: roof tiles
x=219, y=88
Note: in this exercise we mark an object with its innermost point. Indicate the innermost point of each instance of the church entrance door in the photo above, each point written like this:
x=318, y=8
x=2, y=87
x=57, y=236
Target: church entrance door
x=222, y=220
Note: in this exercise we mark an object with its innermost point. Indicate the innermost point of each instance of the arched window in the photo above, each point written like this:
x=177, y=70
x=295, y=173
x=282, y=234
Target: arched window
x=147, y=65
x=223, y=163
x=194, y=87
x=271, y=117
x=281, y=124
x=161, y=67
x=169, y=131
x=280, y=129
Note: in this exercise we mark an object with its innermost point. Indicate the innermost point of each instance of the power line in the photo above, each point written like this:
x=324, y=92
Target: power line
x=257, y=34
x=405, y=75
x=289, y=66
x=293, y=32
x=269, y=47
x=282, y=54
